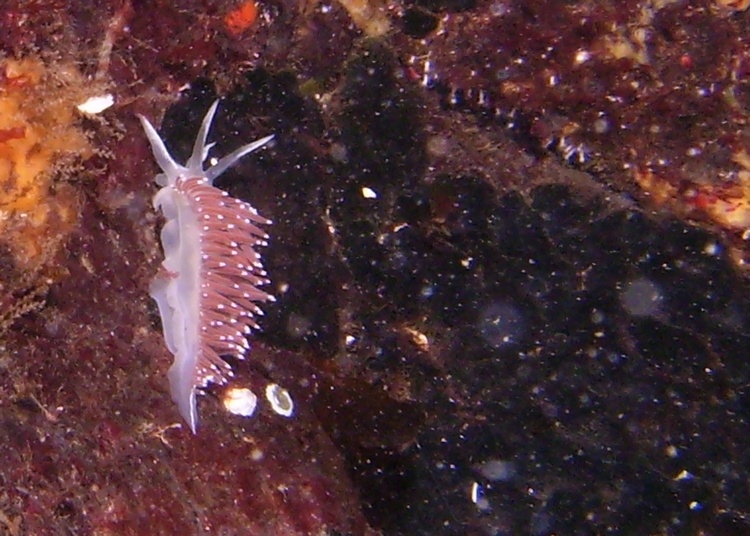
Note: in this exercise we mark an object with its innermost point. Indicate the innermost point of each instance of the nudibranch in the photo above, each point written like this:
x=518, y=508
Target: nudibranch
x=209, y=283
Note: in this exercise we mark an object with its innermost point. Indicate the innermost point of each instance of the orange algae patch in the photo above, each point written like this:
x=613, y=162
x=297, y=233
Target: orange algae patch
x=39, y=137
x=727, y=204
x=240, y=19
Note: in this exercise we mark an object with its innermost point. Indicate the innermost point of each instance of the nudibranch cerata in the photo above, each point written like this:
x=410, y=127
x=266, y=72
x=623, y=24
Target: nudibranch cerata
x=210, y=281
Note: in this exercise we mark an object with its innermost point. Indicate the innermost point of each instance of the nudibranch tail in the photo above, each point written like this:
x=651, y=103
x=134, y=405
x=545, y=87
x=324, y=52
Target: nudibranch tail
x=209, y=286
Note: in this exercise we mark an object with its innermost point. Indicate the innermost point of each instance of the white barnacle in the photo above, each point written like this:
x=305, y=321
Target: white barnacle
x=240, y=401
x=280, y=400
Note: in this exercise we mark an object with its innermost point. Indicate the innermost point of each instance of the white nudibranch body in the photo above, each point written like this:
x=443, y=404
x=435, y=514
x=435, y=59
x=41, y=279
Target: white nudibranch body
x=209, y=285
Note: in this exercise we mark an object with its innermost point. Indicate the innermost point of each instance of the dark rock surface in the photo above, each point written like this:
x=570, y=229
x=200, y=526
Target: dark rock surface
x=483, y=335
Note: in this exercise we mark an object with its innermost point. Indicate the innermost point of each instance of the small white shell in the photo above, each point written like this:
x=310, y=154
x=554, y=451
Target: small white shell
x=280, y=400
x=240, y=401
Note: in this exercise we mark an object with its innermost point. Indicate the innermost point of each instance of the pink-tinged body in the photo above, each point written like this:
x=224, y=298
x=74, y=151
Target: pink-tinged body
x=208, y=286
